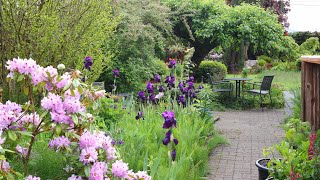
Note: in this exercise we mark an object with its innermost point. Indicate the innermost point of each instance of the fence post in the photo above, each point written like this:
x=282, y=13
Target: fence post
x=310, y=90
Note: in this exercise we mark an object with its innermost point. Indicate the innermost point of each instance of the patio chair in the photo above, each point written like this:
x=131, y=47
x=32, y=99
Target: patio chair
x=98, y=85
x=220, y=86
x=265, y=88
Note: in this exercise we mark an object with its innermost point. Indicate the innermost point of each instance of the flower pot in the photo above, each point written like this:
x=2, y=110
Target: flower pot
x=262, y=165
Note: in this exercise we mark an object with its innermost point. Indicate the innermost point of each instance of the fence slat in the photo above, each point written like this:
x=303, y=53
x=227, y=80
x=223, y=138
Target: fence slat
x=310, y=90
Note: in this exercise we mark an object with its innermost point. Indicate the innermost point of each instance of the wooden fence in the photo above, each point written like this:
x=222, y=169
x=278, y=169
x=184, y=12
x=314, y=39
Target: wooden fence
x=310, y=90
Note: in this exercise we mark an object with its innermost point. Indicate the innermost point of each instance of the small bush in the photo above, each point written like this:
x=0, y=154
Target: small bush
x=245, y=72
x=159, y=67
x=217, y=70
x=265, y=58
x=262, y=63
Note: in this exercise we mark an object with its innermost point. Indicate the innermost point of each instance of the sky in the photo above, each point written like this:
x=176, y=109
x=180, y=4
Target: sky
x=304, y=15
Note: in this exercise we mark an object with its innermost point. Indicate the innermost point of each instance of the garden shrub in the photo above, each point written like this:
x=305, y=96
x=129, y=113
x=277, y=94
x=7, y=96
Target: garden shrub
x=265, y=58
x=310, y=46
x=262, y=63
x=217, y=70
x=285, y=66
x=159, y=67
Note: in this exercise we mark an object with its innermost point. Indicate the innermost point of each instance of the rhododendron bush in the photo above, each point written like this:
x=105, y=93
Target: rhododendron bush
x=62, y=114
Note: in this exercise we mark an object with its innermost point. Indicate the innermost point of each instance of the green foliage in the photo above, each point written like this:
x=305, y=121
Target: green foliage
x=143, y=148
x=44, y=162
x=265, y=58
x=144, y=31
x=310, y=46
x=54, y=32
x=262, y=63
x=216, y=69
x=301, y=36
x=285, y=50
x=285, y=66
x=296, y=131
x=297, y=103
x=245, y=72
x=294, y=150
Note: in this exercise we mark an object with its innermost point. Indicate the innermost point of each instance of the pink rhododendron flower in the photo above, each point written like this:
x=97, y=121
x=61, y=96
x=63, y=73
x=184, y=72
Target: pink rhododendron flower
x=120, y=169
x=143, y=175
x=32, y=178
x=88, y=155
x=52, y=102
x=61, y=117
x=72, y=105
x=59, y=142
x=98, y=171
x=33, y=118
x=65, y=79
x=4, y=166
x=22, y=151
x=88, y=140
x=99, y=94
x=74, y=177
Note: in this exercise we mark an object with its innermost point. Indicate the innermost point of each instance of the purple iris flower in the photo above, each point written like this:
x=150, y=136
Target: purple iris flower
x=190, y=85
x=120, y=142
x=175, y=141
x=185, y=91
x=191, y=79
x=181, y=86
x=173, y=155
x=113, y=142
x=167, y=79
x=150, y=87
x=115, y=73
x=161, y=89
x=182, y=100
x=88, y=62
x=141, y=96
x=152, y=98
x=169, y=120
x=193, y=95
x=140, y=115
x=167, y=140
x=200, y=86
x=172, y=63
x=157, y=78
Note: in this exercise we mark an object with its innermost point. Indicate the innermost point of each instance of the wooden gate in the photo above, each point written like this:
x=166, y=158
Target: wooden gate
x=310, y=90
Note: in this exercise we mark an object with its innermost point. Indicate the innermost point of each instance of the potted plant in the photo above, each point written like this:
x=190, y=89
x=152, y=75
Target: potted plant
x=262, y=165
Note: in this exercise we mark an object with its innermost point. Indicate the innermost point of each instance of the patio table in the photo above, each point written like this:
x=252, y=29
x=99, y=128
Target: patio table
x=238, y=80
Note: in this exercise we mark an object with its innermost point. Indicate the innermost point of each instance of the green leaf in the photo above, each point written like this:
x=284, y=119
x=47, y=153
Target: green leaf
x=145, y=163
x=155, y=165
x=43, y=114
x=12, y=135
x=67, y=86
x=76, y=83
x=25, y=133
x=26, y=90
x=87, y=171
x=75, y=119
x=58, y=129
x=20, y=77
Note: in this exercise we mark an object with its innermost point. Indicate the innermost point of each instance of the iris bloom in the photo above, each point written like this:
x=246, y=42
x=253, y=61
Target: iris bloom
x=88, y=62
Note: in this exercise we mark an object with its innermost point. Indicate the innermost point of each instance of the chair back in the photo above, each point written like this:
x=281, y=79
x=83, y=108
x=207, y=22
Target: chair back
x=210, y=79
x=266, y=83
x=98, y=85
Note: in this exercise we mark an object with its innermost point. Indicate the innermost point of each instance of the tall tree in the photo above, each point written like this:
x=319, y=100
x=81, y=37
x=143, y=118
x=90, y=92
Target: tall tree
x=211, y=23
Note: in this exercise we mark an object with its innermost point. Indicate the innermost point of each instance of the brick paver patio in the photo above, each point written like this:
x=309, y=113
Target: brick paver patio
x=248, y=133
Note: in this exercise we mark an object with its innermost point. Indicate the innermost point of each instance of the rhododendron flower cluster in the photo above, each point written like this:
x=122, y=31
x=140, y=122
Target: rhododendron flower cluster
x=62, y=113
x=59, y=142
x=38, y=74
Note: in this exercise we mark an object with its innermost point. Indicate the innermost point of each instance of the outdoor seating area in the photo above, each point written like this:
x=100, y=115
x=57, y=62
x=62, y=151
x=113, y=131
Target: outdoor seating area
x=158, y=90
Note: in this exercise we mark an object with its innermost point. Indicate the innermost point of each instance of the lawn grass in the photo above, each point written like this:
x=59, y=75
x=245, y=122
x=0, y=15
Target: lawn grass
x=288, y=79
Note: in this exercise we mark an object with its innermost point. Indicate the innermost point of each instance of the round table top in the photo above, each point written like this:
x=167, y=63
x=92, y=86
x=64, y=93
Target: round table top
x=238, y=79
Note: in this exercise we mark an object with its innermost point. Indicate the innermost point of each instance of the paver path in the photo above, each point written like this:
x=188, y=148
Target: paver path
x=248, y=133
